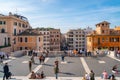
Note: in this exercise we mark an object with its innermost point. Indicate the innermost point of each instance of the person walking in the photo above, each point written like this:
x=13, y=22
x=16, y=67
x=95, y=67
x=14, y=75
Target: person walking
x=56, y=70
x=114, y=69
x=62, y=57
x=32, y=59
x=56, y=63
x=1, y=59
x=92, y=74
x=30, y=66
x=6, y=71
x=40, y=59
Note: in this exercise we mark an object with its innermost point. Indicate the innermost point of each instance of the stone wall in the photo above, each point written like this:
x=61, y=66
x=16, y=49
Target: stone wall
x=6, y=50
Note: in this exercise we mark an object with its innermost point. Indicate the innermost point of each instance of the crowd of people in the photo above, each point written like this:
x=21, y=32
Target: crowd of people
x=37, y=75
x=41, y=58
x=3, y=56
x=104, y=76
x=89, y=76
x=80, y=53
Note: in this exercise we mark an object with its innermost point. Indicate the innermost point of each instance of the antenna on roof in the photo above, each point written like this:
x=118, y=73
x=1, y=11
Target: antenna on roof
x=16, y=10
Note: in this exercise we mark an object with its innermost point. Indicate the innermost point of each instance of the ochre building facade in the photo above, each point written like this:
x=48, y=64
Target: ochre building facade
x=12, y=25
x=104, y=37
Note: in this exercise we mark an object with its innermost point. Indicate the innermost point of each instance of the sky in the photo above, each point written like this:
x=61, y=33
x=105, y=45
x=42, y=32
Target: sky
x=64, y=14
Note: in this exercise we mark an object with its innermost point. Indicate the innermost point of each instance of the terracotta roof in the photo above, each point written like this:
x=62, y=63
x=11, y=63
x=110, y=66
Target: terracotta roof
x=103, y=22
x=29, y=32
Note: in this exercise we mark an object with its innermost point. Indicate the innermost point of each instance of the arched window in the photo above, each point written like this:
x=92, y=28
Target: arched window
x=5, y=42
x=15, y=32
x=8, y=41
x=26, y=40
x=20, y=39
x=2, y=30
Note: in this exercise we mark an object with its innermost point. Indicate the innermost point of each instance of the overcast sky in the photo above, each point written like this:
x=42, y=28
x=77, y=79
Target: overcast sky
x=64, y=14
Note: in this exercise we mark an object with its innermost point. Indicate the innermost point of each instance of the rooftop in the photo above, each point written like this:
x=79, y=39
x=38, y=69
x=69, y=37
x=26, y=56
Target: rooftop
x=29, y=32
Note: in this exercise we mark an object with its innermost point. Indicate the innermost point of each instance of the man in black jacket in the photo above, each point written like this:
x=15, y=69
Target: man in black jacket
x=6, y=71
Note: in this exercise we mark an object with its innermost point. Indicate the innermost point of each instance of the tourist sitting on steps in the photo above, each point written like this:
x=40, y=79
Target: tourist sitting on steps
x=114, y=69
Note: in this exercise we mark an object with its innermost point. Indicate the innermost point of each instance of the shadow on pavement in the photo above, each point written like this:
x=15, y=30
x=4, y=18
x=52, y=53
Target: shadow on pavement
x=70, y=62
x=67, y=73
x=48, y=65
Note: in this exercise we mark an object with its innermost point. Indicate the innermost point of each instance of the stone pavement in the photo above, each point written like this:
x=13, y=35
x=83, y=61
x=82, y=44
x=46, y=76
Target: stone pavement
x=103, y=62
x=53, y=78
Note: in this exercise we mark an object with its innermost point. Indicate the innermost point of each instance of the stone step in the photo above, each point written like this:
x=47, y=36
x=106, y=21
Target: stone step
x=53, y=78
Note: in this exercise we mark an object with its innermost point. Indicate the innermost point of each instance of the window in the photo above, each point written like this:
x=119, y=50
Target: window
x=102, y=39
x=70, y=35
x=14, y=40
x=102, y=24
x=83, y=36
x=8, y=41
x=20, y=31
x=21, y=39
x=26, y=48
x=15, y=23
x=106, y=39
x=98, y=40
x=15, y=32
x=26, y=39
x=110, y=40
x=2, y=30
x=90, y=39
x=103, y=31
x=5, y=42
x=26, y=26
x=19, y=24
x=4, y=22
x=57, y=35
x=20, y=48
x=23, y=25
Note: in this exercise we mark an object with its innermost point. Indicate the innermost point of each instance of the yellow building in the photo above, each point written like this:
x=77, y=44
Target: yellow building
x=104, y=37
x=13, y=24
x=38, y=40
x=29, y=39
